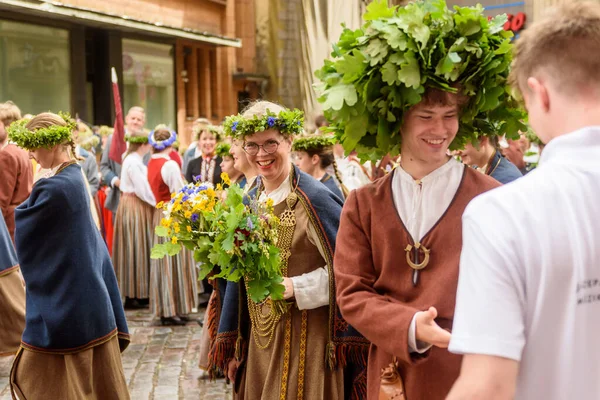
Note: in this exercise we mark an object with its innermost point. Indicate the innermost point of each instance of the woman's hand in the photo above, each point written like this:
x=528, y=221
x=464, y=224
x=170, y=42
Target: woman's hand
x=232, y=369
x=289, y=288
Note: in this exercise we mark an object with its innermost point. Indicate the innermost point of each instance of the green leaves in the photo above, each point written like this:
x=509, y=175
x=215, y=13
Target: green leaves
x=161, y=231
x=389, y=73
x=504, y=48
x=468, y=20
x=378, y=9
x=351, y=66
x=164, y=250
x=410, y=72
x=336, y=96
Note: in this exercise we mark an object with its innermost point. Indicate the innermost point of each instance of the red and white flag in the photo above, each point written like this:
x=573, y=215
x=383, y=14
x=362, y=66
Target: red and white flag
x=117, y=145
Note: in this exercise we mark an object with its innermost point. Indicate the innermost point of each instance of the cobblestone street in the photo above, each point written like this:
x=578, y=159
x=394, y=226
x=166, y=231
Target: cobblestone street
x=160, y=363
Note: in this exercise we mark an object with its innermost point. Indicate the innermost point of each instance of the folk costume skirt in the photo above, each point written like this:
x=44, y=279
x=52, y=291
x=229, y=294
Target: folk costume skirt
x=173, y=287
x=12, y=311
x=131, y=247
x=95, y=373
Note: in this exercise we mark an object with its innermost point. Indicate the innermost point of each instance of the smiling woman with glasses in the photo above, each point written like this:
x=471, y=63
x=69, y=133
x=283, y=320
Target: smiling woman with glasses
x=277, y=366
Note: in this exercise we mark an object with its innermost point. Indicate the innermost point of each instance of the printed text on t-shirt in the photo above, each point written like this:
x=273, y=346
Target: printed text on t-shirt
x=588, y=291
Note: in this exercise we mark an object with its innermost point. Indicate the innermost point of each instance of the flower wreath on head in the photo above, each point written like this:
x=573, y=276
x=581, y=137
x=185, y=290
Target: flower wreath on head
x=162, y=144
x=215, y=130
x=381, y=70
x=313, y=142
x=41, y=137
x=222, y=150
x=287, y=122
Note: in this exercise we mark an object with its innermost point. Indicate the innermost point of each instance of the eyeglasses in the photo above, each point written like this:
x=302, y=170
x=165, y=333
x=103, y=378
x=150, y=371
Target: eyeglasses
x=252, y=149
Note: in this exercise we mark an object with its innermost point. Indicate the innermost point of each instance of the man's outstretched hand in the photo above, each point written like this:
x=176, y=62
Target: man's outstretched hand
x=428, y=331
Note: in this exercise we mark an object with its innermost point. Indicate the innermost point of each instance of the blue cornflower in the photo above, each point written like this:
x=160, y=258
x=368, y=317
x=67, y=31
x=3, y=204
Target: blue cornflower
x=185, y=198
x=195, y=217
x=299, y=123
x=234, y=126
x=249, y=223
x=271, y=121
x=197, y=178
x=203, y=187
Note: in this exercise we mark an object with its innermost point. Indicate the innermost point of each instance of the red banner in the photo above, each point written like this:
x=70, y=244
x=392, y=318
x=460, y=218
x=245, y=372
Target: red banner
x=117, y=145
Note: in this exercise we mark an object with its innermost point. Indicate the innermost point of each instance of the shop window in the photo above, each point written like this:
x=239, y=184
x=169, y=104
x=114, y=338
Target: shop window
x=148, y=80
x=35, y=66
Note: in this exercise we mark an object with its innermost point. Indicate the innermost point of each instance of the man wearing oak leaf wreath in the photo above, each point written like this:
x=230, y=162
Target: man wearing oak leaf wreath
x=399, y=242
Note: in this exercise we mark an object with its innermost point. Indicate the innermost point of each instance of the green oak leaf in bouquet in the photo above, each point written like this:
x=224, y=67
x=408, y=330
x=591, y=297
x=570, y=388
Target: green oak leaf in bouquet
x=381, y=70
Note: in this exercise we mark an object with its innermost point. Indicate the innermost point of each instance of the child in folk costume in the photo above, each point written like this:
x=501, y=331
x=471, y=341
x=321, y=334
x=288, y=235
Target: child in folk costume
x=399, y=242
x=173, y=289
x=241, y=163
x=134, y=230
x=75, y=325
x=228, y=164
x=314, y=155
x=303, y=353
x=207, y=166
x=12, y=295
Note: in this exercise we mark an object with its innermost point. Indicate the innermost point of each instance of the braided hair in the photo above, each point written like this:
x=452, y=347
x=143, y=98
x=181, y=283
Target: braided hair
x=338, y=176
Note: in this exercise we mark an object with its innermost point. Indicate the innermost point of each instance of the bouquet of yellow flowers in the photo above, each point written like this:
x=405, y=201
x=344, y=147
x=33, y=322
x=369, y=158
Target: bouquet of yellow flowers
x=188, y=219
x=238, y=237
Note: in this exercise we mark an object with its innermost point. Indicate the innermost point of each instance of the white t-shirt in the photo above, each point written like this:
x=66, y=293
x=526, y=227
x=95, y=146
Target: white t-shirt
x=529, y=284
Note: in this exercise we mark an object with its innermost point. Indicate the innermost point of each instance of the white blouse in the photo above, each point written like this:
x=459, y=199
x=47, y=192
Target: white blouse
x=134, y=178
x=311, y=290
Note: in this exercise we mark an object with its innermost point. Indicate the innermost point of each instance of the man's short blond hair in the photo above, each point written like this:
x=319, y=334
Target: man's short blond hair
x=9, y=113
x=137, y=109
x=564, y=45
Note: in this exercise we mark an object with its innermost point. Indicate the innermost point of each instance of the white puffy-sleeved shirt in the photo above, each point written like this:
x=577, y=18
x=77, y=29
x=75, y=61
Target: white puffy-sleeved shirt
x=353, y=174
x=420, y=204
x=134, y=178
x=529, y=283
x=311, y=290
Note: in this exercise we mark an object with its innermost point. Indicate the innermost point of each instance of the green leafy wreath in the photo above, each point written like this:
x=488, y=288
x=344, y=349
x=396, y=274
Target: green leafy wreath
x=312, y=142
x=382, y=69
x=287, y=122
x=136, y=139
x=222, y=150
x=41, y=137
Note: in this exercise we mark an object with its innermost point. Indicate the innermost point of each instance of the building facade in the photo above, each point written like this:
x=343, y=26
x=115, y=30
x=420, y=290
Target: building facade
x=179, y=59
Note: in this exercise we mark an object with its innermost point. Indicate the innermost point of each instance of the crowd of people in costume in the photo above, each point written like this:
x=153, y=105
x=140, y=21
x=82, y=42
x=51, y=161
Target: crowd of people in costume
x=418, y=261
